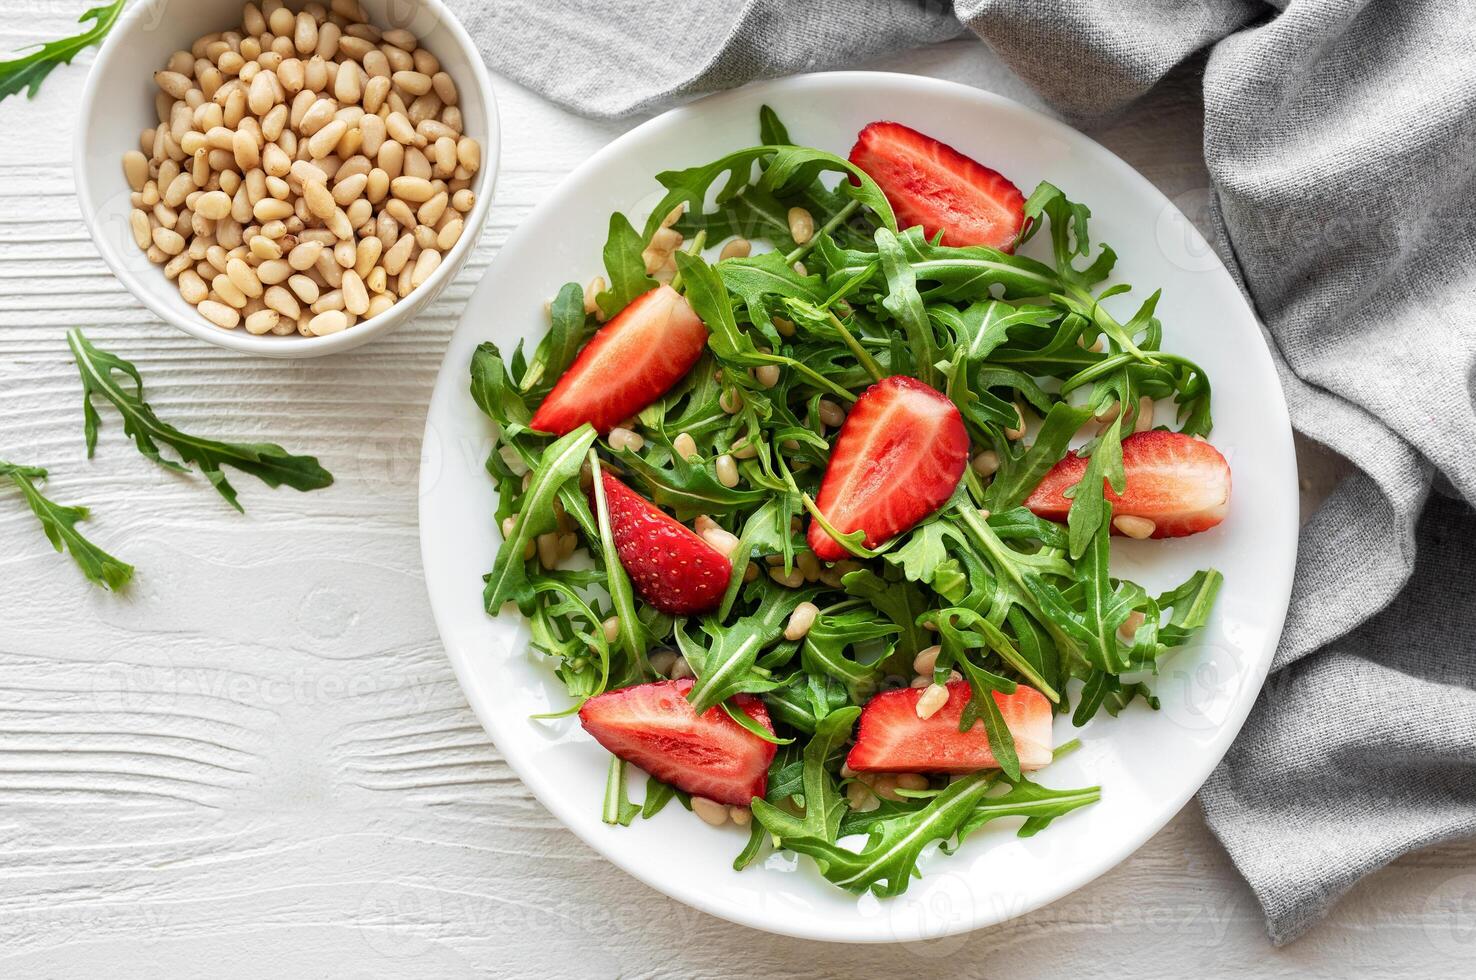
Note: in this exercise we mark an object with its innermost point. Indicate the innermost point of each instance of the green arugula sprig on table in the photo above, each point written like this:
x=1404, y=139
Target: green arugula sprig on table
x=1009, y=598
x=60, y=524
x=118, y=382
x=26, y=73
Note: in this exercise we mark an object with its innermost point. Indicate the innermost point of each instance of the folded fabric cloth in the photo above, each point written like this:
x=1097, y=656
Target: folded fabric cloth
x=1338, y=136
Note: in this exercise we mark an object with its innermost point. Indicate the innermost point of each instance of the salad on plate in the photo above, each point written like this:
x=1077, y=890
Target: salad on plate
x=809, y=499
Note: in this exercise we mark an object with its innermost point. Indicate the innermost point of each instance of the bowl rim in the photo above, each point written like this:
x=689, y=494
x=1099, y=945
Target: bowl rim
x=657, y=875
x=273, y=346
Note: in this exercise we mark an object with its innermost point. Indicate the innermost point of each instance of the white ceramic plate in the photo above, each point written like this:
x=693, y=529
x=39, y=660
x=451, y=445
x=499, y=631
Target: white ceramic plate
x=1148, y=763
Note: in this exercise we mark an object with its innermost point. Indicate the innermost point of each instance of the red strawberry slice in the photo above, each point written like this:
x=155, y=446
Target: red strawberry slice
x=1180, y=483
x=931, y=184
x=897, y=459
x=628, y=364
x=892, y=738
x=710, y=755
x=670, y=566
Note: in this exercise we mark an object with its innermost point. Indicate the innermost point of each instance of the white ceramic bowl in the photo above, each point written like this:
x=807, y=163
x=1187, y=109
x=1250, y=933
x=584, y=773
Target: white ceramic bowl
x=1148, y=763
x=118, y=103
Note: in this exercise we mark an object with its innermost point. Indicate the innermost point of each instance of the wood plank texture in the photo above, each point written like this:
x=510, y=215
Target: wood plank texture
x=258, y=762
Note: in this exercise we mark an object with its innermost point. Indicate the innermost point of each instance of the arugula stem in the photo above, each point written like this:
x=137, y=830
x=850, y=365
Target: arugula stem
x=836, y=220
x=699, y=242
x=819, y=380
x=862, y=355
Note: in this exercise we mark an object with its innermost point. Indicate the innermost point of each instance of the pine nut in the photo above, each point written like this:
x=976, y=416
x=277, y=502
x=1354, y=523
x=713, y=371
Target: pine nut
x=243, y=278
x=450, y=233
x=740, y=815
x=1108, y=414
x=192, y=288
x=305, y=255
x=415, y=190
x=738, y=248
x=329, y=322
x=219, y=314
x=926, y=660
x=355, y=295
x=911, y=781
x=801, y=620
x=986, y=463
x=801, y=225
x=1137, y=528
x=611, y=629
x=1145, y=415
x=766, y=375
x=170, y=242
x=305, y=288
x=792, y=580
x=548, y=550
x=1019, y=429
x=712, y=814
x=860, y=797
x=831, y=414
x=136, y=169
x=719, y=540
x=143, y=232
x=684, y=446
x=281, y=299
x=262, y=321
x=934, y=698
x=1129, y=628
x=425, y=265
x=727, y=471
x=469, y=154
x=621, y=439
x=730, y=401
x=464, y=200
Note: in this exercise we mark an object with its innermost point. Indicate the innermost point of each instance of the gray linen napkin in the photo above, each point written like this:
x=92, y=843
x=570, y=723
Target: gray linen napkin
x=1339, y=135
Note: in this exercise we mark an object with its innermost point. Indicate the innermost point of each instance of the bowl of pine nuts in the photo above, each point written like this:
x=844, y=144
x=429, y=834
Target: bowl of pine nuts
x=287, y=179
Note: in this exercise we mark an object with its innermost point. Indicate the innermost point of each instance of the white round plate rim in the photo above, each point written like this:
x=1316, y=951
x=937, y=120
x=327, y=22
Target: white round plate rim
x=1275, y=478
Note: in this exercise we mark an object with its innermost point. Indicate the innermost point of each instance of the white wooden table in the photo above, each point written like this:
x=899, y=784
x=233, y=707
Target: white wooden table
x=257, y=763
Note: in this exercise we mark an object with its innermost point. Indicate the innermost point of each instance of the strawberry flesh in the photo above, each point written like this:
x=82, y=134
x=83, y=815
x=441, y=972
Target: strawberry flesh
x=709, y=755
x=897, y=458
x=670, y=566
x=628, y=364
x=931, y=184
x=1180, y=483
x=892, y=738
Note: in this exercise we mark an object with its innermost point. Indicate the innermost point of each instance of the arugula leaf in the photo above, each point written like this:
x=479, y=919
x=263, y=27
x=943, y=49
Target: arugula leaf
x=1089, y=508
x=493, y=391
x=269, y=463
x=559, y=346
x=906, y=305
x=561, y=461
x=772, y=131
x=25, y=74
x=839, y=629
x=888, y=861
x=726, y=666
x=1037, y=804
x=617, y=581
x=624, y=265
x=823, y=807
x=1069, y=236
x=901, y=602
x=60, y=524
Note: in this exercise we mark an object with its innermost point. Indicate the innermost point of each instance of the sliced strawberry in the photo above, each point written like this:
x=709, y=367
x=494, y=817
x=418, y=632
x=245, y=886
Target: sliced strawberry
x=931, y=184
x=892, y=738
x=897, y=459
x=670, y=566
x=1180, y=483
x=628, y=364
x=710, y=755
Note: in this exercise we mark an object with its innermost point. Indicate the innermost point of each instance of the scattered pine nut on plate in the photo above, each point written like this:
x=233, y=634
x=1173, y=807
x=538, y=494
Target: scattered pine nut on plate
x=304, y=148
